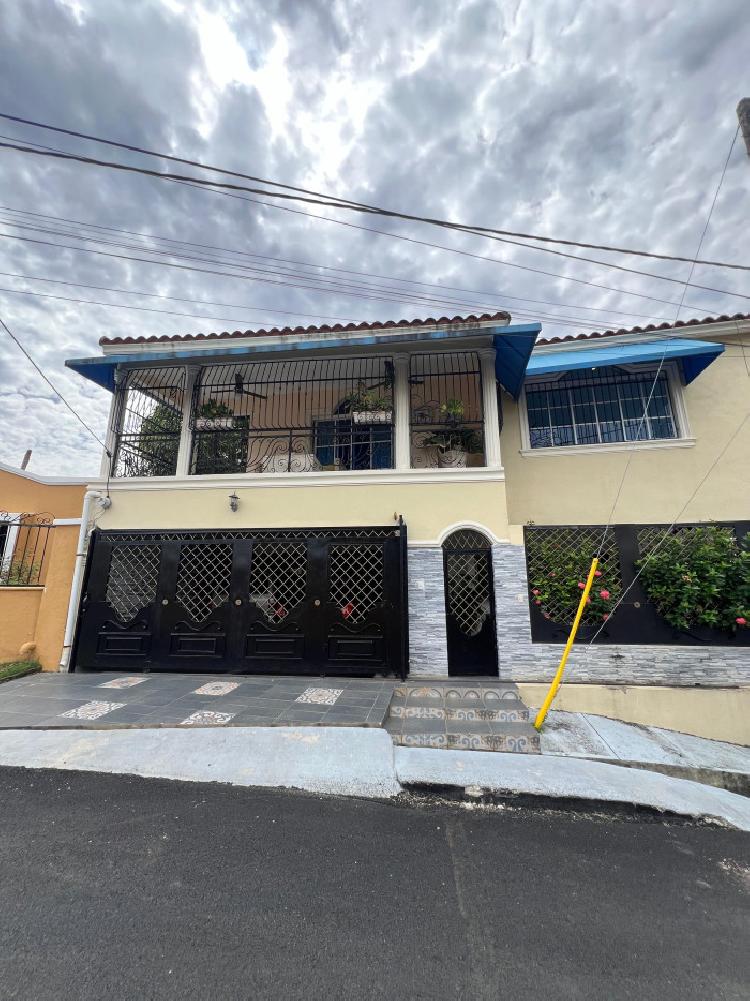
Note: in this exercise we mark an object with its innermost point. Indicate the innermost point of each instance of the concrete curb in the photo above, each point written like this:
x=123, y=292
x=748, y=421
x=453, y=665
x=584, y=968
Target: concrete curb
x=570, y=778
x=335, y=761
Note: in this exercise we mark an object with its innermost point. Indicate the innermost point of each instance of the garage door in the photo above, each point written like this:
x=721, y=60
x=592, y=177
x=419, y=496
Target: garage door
x=321, y=601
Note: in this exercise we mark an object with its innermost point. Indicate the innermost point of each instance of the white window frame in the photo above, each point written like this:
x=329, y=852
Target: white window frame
x=684, y=437
x=13, y=521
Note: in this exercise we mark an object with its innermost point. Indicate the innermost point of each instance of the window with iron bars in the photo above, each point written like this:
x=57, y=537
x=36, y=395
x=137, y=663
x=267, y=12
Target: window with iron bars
x=148, y=421
x=446, y=410
x=24, y=539
x=293, y=416
x=601, y=407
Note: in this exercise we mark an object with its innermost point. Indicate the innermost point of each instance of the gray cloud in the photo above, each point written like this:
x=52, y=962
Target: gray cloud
x=603, y=121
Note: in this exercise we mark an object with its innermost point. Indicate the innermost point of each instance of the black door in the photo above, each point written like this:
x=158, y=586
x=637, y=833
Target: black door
x=324, y=601
x=469, y=604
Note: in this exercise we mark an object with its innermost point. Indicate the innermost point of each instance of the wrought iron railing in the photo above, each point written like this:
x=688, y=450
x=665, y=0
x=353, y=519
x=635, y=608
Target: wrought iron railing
x=446, y=410
x=148, y=421
x=293, y=416
x=24, y=542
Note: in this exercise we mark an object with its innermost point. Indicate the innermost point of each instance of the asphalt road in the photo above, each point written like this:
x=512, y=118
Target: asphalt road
x=129, y=888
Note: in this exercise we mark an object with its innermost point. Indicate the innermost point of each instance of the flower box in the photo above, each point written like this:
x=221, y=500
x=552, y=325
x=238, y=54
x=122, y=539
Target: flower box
x=214, y=424
x=372, y=416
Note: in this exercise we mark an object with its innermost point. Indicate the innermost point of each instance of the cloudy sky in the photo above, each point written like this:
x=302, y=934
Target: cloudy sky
x=604, y=122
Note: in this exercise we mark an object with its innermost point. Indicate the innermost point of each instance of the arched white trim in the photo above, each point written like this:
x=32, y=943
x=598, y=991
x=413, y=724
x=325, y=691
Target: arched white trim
x=474, y=525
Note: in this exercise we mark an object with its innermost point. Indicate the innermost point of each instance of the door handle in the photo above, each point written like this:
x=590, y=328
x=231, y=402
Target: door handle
x=165, y=601
x=238, y=601
x=317, y=602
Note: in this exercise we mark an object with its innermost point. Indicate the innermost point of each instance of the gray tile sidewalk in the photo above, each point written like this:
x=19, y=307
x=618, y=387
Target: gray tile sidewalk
x=151, y=700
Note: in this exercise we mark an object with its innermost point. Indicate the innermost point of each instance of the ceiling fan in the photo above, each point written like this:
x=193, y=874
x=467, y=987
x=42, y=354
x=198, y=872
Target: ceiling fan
x=239, y=388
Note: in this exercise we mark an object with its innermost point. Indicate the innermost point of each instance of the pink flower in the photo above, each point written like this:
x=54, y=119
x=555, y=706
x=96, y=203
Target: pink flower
x=741, y=620
x=588, y=601
x=537, y=602
x=581, y=584
x=535, y=591
x=605, y=616
x=597, y=573
x=604, y=594
x=553, y=574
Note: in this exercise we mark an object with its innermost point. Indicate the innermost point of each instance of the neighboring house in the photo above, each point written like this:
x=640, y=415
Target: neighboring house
x=40, y=518
x=353, y=499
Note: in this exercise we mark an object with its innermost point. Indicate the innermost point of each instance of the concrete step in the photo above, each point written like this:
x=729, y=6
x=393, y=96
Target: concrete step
x=514, y=743
x=511, y=711
x=445, y=692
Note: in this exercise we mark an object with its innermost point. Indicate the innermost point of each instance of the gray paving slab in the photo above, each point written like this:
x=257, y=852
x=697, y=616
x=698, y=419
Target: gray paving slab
x=571, y=733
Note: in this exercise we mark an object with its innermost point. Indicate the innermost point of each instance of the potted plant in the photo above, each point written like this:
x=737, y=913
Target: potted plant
x=454, y=442
x=367, y=407
x=213, y=416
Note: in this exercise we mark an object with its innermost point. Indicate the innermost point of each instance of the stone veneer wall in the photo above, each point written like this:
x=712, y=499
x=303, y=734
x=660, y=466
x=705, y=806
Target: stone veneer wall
x=428, y=645
x=521, y=660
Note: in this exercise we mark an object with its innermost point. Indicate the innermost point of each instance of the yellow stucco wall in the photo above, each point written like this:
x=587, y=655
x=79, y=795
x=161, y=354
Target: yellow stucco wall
x=37, y=615
x=427, y=508
x=717, y=713
x=560, y=488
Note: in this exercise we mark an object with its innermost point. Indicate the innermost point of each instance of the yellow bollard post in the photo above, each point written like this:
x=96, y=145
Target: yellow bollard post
x=557, y=680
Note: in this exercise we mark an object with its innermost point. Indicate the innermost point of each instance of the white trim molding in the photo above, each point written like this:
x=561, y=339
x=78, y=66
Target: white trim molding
x=370, y=477
x=615, y=446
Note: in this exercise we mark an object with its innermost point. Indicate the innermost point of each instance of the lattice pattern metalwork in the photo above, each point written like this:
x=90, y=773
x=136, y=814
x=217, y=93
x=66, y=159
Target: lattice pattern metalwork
x=356, y=580
x=148, y=420
x=132, y=579
x=23, y=546
x=203, y=578
x=278, y=579
x=467, y=582
x=467, y=538
x=260, y=533
x=558, y=561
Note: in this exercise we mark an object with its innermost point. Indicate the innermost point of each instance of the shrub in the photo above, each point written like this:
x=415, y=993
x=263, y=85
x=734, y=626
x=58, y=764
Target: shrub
x=558, y=573
x=699, y=577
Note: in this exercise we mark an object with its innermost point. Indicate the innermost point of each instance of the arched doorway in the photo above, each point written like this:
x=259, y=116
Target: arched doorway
x=469, y=603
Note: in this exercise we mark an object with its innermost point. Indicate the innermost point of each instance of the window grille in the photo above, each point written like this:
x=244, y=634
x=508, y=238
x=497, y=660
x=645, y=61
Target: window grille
x=584, y=408
x=446, y=411
x=148, y=421
x=24, y=539
x=293, y=416
x=356, y=580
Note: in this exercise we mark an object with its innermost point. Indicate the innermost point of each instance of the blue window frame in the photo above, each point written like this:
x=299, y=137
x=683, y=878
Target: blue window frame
x=600, y=407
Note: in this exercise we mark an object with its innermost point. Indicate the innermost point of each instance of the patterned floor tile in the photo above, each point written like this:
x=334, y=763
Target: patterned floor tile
x=320, y=696
x=217, y=688
x=122, y=682
x=92, y=710
x=207, y=718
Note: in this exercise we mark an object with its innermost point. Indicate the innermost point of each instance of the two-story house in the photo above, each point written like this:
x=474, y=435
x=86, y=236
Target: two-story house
x=378, y=497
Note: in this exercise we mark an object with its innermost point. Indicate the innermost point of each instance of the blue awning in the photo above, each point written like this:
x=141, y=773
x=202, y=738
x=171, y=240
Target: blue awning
x=513, y=344
x=693, y=355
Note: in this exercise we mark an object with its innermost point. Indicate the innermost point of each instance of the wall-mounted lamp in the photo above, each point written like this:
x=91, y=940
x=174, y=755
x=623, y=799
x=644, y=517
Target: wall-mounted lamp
x=234, y=502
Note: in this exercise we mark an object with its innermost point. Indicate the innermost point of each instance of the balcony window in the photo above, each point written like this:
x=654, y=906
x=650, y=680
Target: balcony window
x=293, y=416
x=147, y=422
x=601, y=407
x=446, y=411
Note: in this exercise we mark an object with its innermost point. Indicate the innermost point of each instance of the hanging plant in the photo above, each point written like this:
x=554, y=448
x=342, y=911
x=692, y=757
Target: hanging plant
x=699, y=577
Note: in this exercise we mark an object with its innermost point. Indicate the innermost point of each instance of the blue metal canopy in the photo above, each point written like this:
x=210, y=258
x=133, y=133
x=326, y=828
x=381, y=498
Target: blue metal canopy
x=513, y=344
x=694, y=356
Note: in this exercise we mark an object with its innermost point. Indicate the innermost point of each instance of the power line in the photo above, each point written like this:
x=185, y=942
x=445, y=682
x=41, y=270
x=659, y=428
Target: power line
x=437, y=246
x=326, y=267
x=320, y=198
x=161, y=175
x=54, y=389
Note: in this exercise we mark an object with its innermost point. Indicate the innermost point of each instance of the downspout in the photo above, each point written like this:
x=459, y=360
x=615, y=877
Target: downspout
x=75, y=587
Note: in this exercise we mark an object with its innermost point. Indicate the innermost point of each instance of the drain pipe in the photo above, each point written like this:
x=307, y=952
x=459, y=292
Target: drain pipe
x=75, y=587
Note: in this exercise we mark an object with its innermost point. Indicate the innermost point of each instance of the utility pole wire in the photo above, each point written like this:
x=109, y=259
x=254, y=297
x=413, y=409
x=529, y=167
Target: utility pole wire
x=54, y=389
x=317, y=197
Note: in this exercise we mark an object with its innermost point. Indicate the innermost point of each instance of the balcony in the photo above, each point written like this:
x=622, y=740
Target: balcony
x=316, y=415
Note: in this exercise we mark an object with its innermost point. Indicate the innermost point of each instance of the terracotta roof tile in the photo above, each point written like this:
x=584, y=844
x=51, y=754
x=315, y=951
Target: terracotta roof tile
x=325, y=328
x=649, y=328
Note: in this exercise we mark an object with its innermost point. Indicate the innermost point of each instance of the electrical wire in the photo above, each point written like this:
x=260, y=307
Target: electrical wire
x=51, y=385
x=317, y=197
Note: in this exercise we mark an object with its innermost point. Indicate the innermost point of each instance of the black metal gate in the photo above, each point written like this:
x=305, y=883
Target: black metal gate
x=308, y=601
x=469, y=604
